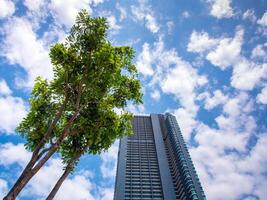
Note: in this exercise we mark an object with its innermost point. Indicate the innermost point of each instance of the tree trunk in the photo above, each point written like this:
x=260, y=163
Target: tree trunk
x=36, y=163
x=67, y=171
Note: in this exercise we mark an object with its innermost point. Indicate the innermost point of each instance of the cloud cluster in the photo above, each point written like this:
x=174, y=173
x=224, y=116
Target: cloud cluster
x=221, y=156
x=262, y=97
x=13, y=109
x=200, y=42
x=227, y=52
x=144, y=14
x=263, y=20
x=221, y=8
x=7, y=8
x=26, y=50
x=3, y=188
x=78, y=186
x=250, y=15
x=166, y=71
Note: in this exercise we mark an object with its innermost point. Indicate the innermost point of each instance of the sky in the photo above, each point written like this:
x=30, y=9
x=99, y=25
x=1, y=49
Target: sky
x=202, y=60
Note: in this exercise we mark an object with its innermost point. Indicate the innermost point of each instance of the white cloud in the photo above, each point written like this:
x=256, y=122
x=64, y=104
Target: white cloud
x=7, y=8
x=247, y=75
x=262, y=97
x=109, y=161
x=65, y=11
x=155, y=95
x=143, y=13
x=112, y=22
x=263, y=20
x=259, y=51
x=13, y=154
x=77, y=186
x=185, y=14
x=33, y=5
x=227, y=52
x=174, y=75
x=13, y=109
x=223, y=147
x=139, y=109
x=200, y=42
x=181, y=81
x=217, y=99
x=3, y=188
x=26, y=50
x=221, y=8
x=4, y=89
x=250, y=15
x=187, y=122
x=106, y=193
x=122, y=10
x=170, y=25
x=144, y=61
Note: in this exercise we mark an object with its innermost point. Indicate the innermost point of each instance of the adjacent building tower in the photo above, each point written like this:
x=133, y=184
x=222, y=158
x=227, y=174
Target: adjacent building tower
x=154, y=162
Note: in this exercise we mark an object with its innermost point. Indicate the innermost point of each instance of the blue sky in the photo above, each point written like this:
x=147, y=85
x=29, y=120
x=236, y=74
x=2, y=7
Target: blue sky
x=202, y=60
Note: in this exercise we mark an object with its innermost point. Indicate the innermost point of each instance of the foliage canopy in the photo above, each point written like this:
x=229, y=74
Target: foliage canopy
x=92, y=79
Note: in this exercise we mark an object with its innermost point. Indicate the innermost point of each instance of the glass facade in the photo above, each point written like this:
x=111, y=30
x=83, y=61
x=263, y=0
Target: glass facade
x=154, y=162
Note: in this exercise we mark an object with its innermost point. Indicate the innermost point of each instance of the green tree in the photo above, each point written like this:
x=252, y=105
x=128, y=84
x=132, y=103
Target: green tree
x=74, y=113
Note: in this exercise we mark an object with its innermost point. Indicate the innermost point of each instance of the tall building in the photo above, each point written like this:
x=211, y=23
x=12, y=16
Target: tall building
x=154, y=162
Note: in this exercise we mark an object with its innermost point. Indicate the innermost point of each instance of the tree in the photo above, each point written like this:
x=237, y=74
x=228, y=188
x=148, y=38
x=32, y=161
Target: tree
x=75, y=113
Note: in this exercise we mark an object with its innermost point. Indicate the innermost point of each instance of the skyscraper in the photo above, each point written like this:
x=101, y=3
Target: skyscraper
x=154, y=162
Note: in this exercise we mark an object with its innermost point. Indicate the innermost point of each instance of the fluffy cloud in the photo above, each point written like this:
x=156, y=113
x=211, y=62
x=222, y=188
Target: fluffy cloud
x=247, y=74
x=170, y=26
x=250, y=15
x=106, y=193
x=13, y=154
x=223, y=146
x=76, y=187
x=33, y=5
x=65, y=11
x=221, y=8
x=185, y=14
x=173, y=74
x=200, y=42
x=181, y=81
x=109, y=161
x=263, y=20
x=144, y=61
x=122, y=10
x=144, y=14
x=40, y=185
x=227, y=52
x=7, y=8
x=112, y=21
x=224, y=172
x=4, y=89
x=3, y=188
x=13, y=109
x=155, y=95
x=217, y=99
x=262, y=97
x=26, y=50
x=259, y=51
x=187, y=122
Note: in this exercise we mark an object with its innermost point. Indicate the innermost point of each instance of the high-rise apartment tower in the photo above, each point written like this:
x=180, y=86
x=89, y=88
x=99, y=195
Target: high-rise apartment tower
x=154, y=162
